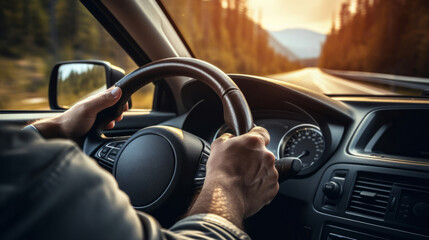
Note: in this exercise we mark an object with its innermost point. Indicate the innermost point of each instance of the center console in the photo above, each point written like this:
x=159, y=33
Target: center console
x=381, y=197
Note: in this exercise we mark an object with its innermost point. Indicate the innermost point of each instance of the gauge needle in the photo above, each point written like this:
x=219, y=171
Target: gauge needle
x=303, y=154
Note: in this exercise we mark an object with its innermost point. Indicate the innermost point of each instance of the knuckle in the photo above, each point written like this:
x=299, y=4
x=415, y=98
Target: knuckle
x=276, y=189
x=269, y=158
x=276, y=175
x=259, y=129
x=262, y=132
x=253, y=140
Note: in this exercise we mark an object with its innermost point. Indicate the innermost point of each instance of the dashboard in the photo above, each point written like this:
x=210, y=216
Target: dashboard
x=370, y=179
x=365, y=160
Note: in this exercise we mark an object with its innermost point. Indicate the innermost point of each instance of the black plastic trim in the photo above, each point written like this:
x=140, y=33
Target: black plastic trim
x=116, y=30
x=373, y=124
x=176, y=28
x=340, y=211
x=130, y=46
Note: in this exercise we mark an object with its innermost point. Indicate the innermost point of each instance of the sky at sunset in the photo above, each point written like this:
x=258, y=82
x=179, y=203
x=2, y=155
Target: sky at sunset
x=314, y=15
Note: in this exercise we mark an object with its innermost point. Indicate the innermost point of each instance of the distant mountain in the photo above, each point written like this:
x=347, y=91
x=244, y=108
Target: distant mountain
x=309, y=62
x=302, y=43
x=282, y=49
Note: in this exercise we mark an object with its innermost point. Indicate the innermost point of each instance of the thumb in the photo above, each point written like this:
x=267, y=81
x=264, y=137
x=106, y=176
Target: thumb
x=104, y=99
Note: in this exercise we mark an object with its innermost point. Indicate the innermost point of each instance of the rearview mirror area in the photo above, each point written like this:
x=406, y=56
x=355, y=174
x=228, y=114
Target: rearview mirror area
x=73, y=81
x=76, y=81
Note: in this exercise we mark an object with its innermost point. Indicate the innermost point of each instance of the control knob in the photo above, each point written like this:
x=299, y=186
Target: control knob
x=332, y=190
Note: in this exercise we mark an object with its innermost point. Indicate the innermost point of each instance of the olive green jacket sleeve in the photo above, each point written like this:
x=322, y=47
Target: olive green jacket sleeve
x=49, y=189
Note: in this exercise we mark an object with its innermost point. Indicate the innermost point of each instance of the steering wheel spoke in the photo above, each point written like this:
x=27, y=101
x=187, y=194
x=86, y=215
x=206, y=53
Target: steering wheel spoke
x=107, y=154
x=200, y=174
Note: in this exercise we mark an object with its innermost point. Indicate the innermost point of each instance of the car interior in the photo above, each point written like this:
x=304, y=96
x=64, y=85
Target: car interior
x=365, y=158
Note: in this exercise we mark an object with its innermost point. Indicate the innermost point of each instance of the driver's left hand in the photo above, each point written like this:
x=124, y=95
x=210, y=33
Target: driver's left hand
x=75, y=123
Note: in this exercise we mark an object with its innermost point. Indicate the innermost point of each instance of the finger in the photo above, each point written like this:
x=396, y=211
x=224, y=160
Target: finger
x=272, y=193
x=270, y=158
x=110, y=125
x=126, y=108
x=119, y=118
x=225, y=136
x=262, y=132
x=104, y=100
x=272, y=173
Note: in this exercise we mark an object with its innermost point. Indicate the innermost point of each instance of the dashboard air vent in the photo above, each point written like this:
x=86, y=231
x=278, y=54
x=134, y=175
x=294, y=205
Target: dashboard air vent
x=370, y=196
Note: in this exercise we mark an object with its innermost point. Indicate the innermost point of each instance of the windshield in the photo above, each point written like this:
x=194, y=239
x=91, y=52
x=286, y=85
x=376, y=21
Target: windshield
x=336, y=47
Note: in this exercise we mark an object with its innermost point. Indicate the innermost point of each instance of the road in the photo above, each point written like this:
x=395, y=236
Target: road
x=316, y=80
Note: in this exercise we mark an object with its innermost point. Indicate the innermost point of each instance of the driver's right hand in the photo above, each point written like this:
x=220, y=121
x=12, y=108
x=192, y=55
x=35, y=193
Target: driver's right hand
x=244, y=166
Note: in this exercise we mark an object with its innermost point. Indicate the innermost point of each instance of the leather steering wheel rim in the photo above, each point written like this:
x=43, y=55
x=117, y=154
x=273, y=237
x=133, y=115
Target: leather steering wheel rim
x=237, y=114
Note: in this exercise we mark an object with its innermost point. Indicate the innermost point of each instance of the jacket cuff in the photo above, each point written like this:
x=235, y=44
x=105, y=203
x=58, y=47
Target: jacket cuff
x=211, y=223
x=32, y=128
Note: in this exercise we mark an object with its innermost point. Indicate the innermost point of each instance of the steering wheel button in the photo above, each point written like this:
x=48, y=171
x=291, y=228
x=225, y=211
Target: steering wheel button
x=200, y=175
x=204, y=158
x=120, y=145
x=198, y=182
x=206, y=148
x=105, y=150
x=202, y=168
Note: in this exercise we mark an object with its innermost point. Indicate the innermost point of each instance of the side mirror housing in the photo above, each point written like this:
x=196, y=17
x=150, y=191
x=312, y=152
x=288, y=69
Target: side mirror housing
x=72, y=81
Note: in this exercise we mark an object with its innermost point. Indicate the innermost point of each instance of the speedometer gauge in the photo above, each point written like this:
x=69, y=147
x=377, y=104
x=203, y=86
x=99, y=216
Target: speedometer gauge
x=305, y=142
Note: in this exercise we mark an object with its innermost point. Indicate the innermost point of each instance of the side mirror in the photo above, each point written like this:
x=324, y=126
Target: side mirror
x=72, y=81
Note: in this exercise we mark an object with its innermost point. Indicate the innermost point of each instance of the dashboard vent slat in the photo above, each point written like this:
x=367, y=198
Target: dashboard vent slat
x=370, y=196
x=360, y=199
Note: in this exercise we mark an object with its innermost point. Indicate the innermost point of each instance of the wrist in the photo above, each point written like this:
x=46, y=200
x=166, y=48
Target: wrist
x=50, y=128
x=223, y=198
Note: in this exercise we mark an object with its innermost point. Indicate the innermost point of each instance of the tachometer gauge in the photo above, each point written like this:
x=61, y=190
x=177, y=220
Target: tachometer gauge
x=304, y=141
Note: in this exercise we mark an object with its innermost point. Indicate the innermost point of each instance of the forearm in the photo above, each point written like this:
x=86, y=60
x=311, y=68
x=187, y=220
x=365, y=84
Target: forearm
x=220, y=198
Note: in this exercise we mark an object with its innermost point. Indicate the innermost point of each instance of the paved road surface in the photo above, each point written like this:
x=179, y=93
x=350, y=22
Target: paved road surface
x=315, y=79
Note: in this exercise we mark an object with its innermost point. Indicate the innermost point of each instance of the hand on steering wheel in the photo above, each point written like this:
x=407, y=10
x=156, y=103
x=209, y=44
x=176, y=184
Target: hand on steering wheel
x=241, y=176
x=76, y=122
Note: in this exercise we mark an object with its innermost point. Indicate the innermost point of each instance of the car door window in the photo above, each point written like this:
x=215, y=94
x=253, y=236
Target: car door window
x=36, y=34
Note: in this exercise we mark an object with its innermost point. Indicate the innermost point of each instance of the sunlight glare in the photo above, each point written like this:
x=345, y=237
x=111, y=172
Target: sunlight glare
x=313, y=15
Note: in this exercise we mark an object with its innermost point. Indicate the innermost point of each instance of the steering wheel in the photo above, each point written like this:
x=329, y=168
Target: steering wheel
x=159, y=166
